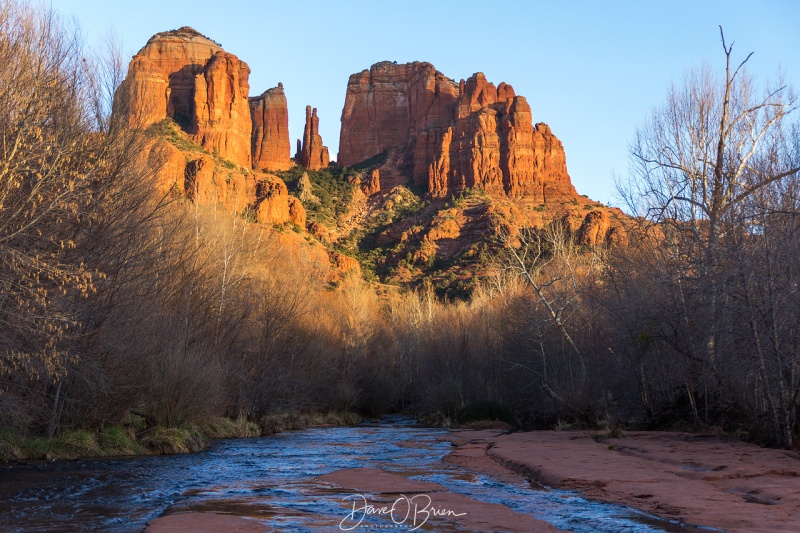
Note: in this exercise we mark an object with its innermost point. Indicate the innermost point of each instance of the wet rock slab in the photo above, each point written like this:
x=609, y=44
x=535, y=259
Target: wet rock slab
x=693, y=479
x=428, y=501
x=205, y=523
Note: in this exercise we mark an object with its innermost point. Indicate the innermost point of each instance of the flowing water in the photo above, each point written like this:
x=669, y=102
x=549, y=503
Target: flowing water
x=272, y=479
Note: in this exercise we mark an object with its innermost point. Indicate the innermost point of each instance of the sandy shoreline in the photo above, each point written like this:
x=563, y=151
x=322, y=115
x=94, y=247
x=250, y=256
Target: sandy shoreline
x=691, y=479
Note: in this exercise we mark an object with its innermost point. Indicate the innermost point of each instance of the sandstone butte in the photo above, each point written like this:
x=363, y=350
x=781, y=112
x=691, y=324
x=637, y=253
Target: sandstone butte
x=444, y=136
x=448, y=136
x=184, y=76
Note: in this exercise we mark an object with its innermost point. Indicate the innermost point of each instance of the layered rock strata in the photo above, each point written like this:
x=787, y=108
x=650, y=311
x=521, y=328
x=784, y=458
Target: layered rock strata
x=450, y=137
x=372, y=184
x=270, y=138
x=185, y=76
x=201, y=179
x=221, y=121
x=161, y=77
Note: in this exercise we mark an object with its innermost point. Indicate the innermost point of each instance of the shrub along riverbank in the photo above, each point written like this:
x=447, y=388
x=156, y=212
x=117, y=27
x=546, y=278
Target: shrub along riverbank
x=132, y=437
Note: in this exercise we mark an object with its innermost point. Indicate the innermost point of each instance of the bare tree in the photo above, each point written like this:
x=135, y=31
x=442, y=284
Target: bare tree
x=702, y=166
x=54, y=163
x=700, y=157
x=548, y=261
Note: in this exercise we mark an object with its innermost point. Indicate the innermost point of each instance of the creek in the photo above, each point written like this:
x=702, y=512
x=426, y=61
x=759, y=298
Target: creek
x=272, y=479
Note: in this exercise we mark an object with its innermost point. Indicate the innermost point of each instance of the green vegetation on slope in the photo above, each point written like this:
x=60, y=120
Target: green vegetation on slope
x=333, y=186
x=170, y=131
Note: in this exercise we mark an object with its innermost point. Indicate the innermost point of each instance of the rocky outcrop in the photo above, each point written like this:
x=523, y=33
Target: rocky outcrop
x=274, y=205
x=185, y=76
x=372, y=184
x=221, y=121
x=206, y=183
x=161, y=77
x=594, y=228
x=203, y=180
x=297, y=213
x=390, y=105
x=601, y=227
x=169, y=165
x=450, y=137
x=321, y=232
x=270, y=138
x=345, y=264
x=305, y=191
x=198, y=177
x=311, y=153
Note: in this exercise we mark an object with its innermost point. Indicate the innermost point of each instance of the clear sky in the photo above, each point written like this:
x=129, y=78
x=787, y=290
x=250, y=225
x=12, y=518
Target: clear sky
x=591, y=69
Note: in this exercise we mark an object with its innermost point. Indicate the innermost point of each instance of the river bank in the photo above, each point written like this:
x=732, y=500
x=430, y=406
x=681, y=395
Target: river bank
x=134, y=438
x=696, y=480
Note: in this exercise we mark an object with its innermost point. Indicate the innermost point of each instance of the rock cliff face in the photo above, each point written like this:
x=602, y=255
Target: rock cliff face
x=221, y=121
x=450, y=137
x=415, y=125
x=603, y=226
x=185, y=76
x=270, y=140
x=160, y=80
x=200, y=178
x=274, y=205
x=311, y=153
x=206, y=183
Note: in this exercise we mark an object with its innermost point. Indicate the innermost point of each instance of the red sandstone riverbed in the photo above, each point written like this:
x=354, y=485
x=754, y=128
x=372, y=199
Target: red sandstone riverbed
x=694, y=479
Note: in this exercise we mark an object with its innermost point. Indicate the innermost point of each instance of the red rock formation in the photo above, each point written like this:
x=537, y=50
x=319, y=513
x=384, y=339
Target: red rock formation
x=270, y=140
x=313, y=155
x=391, y=106
x=617, y=236
x=550, y=164
x=321, y=232
x=221, y=122
x=169, y=164
x=450, y=136
x=207, y=183
x=494, y=146
x=594, y=228
x=160, y=80
x=297, y=213
x=274, y=205
x=185, y=76
x=345, y=264
x=372, y=184
x=603, y=227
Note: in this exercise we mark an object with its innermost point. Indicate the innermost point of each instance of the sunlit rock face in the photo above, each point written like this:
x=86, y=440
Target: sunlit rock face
x=448, y=136
x=183, y=75
x=311, y=153
x=270, y=140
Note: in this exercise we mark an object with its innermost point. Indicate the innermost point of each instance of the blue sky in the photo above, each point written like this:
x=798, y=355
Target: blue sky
x=592, y=70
